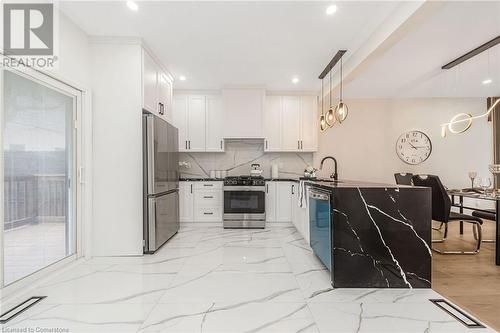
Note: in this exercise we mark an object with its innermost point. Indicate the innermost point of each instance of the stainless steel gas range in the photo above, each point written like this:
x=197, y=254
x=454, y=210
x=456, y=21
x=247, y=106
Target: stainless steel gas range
x=244, y=202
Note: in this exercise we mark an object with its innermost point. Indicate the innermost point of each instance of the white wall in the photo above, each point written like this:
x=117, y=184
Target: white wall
x=116, y=84
x=74, y=53
x=364, y=144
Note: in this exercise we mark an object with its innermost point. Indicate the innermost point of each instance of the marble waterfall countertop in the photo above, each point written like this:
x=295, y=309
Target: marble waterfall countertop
x=381, y=235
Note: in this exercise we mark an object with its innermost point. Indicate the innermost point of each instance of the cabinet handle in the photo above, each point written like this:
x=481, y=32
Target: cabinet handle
x=293, y=192
x=266, y=144
x=220, y=144
x=301, y=144
x=189, y=144
x=208, y=213
x=207, y=197
x=267, y=188
x=298, y=144
x=208, y=185
x=186, y=144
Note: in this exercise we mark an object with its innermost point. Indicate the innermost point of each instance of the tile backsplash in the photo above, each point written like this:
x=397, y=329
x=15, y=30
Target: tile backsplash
x=238, y=157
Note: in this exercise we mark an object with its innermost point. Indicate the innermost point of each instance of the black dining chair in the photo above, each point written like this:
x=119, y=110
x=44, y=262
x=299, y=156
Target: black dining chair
x=404, y=178
x=441, y=212
x=489, y=214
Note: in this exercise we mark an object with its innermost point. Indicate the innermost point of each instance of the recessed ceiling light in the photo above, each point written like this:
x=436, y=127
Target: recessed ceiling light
x=487, y=81
x=132, y=5
x=330, y=10
x=182, y=78
x=295, y=80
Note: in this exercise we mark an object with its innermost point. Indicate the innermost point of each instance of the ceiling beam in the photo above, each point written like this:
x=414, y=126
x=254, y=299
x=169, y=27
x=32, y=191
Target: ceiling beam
x=473, y=53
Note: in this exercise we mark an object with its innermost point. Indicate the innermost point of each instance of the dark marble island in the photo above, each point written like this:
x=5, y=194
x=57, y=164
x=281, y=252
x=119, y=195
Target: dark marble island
x=380, y=234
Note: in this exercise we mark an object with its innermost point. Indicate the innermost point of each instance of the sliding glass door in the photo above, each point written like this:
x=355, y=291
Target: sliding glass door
x=39, y=189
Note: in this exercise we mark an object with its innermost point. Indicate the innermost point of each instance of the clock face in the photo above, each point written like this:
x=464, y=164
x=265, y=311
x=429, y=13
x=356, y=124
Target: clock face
x=413, y=147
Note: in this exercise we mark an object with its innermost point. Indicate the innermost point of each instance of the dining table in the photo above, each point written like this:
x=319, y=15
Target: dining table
x=484, y=196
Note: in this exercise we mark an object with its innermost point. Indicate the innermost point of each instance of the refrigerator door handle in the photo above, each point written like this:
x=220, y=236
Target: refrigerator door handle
x=151, y=153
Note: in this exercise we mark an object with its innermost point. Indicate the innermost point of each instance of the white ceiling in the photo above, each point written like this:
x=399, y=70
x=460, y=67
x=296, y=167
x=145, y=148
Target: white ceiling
x=412, y=67
x=215, y=44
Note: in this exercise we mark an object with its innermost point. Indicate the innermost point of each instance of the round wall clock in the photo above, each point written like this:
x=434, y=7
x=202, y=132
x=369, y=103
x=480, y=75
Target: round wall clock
x=413, y=147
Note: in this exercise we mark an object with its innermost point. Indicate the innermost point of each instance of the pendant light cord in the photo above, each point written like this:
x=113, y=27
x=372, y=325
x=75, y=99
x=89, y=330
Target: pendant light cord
x=330, y=88
x=341, y=81
x=322, y=99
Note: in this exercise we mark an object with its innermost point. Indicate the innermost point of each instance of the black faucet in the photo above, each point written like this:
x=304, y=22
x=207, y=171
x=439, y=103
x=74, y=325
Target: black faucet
x=334, y=175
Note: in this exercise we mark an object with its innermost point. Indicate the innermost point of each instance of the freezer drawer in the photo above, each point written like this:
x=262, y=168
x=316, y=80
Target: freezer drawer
x=162, y=220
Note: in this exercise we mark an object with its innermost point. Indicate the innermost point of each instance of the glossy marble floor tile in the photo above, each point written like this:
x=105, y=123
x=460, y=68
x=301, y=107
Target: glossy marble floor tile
x=208, y=279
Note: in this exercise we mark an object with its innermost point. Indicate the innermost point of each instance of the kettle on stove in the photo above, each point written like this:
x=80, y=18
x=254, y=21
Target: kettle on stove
x=256, y=171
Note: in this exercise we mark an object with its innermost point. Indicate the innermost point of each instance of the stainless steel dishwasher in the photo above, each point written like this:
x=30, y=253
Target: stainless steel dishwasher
x=320, y=225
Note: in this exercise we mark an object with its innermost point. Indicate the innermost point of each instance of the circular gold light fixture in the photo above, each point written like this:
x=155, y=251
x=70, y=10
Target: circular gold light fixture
x=322, y=121
x=460, y=123
x=463, y=121
x=330, y=115
x=341, y=111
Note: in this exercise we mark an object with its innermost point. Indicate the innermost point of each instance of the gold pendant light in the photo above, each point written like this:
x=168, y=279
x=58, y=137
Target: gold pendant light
x=341, y=111
x=330, y=115
x=322, y=121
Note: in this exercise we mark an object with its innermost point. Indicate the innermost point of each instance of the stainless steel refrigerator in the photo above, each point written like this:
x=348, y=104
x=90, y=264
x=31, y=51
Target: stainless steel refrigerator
x=161, y=181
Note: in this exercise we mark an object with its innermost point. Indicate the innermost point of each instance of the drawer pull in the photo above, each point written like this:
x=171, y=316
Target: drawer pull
x=206, y=197
x=208, y=213
x=208, y=185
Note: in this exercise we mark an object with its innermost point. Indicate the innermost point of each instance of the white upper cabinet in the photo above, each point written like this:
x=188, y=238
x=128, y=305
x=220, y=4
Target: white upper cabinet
x=149, y=83
x=287, y=123
x=180, y=120
x=243, y=113
x=156, y=88
x=214, y=124
x=272, y=121
x=200, y=121
x=309, y=123
x=290, y=123
x=165, y=96
x=196, y=123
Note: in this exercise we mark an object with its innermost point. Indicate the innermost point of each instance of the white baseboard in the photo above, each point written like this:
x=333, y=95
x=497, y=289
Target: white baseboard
x=219, y=224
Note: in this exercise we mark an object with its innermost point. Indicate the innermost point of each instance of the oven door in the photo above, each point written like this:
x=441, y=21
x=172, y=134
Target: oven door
x=249, y=201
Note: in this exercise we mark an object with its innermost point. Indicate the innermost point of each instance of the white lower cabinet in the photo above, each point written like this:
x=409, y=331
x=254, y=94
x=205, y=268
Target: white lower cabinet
x=200, y=201
x=284, y=201
x=279, y=201
x=186, y=201
x=271, y=194
x=300, y=215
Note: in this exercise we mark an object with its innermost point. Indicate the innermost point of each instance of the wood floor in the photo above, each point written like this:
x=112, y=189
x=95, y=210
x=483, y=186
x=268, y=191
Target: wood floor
x=470, y=281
